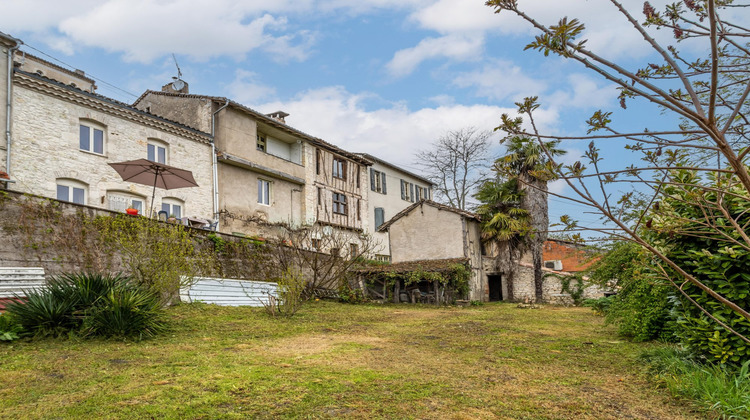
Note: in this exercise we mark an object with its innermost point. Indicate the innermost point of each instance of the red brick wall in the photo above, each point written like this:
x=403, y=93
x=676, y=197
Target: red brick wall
x=574, y=257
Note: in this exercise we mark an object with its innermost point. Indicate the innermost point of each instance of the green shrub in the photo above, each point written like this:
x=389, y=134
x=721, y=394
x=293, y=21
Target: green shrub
x=714, y=253
x=641, y=309
x=720, y=390
x=9, y=329
x=348, y=294
x=600, y=306
x=90, y=304
x=126, y=312
x=289, y=299
x=44, y=314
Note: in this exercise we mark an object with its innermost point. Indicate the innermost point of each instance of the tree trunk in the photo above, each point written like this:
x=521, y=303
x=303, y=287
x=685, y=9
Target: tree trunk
x=535, y=202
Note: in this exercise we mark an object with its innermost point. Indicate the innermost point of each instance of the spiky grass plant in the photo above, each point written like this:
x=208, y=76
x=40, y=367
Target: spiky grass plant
x=91, y=304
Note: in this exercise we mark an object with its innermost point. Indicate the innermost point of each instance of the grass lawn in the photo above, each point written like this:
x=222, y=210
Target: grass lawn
x=336, y=360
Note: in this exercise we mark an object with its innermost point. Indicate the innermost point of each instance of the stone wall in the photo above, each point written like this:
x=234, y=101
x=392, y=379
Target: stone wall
x=46, y=121
x=523, y=287
x=28, y=242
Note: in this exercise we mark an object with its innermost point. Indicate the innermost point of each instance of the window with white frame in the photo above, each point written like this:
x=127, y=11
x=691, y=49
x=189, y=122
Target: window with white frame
x=120, y=201
x=377, y=181
x=173, y=207
x=91, y=137
x=158, y=151
x=71, y=190
x=339, y=203
x=264, y=192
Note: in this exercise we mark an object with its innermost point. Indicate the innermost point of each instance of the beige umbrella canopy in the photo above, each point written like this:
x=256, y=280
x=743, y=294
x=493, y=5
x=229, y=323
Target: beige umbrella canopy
x=146, y=172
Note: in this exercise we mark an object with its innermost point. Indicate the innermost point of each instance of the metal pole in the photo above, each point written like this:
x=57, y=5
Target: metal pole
x=153, y=193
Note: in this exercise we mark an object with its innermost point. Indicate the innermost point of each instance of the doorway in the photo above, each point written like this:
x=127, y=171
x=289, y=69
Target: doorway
x=495, y=282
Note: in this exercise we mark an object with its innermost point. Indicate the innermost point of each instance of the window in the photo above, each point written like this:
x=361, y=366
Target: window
x=359, y=209
x=422, y=193
x=377, y=181
x=157, y=151
x=407, y=191
x=264, y=192
x=339, y=168
x=339, y=203
x=358, y=175
x=173, y=207
x=316, y=243
x=382, y=257
x=379, y=217
x=320, y=196
x=71, y=190
x=318, y=158
x=353, y=250
x=261, y=143
x=119, y=201
x=91, y=138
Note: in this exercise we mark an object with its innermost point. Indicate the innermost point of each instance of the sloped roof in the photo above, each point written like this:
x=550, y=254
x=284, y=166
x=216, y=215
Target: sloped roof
x=205, y=136
x=396, y=167
x=266, y=119
x=81, y=75
x=404, y=212
x=435, y=266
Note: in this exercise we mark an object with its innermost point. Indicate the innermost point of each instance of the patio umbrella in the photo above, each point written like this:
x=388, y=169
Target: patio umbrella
x=146, y=172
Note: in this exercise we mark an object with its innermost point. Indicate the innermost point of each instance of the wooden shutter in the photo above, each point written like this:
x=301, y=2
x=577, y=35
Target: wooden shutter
x=403, y=190
x=411, y=189
x=379, y=217
x=372, y=179
x=382, y=183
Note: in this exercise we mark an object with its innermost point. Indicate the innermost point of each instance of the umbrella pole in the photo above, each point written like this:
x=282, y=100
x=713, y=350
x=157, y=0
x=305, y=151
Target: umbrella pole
x=153, y=192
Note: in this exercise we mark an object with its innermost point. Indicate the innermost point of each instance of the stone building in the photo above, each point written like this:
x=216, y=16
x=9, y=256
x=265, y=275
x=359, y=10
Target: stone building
x=8, y=46
x=392, y=189
x=429, y=231
x=267, y=170
x=64, y=135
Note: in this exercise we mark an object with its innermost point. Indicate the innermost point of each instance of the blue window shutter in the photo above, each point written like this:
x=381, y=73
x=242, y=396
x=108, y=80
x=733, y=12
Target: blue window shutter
x=403, y=190
x=382, y=175
x=411, y=189
x=379, y=217
x=372, y=179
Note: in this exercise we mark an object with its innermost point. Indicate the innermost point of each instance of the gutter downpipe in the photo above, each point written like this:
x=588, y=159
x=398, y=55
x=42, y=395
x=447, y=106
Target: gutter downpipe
x=215, y=164
x=9, y=105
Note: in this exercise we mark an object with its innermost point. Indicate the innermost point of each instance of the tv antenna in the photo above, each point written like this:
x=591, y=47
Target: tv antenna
x=178, y=83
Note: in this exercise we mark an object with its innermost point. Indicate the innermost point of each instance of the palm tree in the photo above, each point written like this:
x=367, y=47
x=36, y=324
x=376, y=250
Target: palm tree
x=528, y=164
x=504, y=224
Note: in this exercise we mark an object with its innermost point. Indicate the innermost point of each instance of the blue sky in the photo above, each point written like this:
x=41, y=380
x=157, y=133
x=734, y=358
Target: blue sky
x=386, y=77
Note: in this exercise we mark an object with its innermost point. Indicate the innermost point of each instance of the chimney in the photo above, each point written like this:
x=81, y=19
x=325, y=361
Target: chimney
x=279, y=116
x=176, y=86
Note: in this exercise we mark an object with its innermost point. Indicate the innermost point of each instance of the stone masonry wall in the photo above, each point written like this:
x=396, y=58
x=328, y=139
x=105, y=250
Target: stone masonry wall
x=46, y=148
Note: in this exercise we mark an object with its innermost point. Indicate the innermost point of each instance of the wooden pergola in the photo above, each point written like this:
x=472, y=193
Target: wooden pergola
x=436, y=295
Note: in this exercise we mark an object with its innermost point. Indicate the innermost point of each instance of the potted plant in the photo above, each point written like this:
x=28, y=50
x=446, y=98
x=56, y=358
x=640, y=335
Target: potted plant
x=131, y=211
x=172, y=219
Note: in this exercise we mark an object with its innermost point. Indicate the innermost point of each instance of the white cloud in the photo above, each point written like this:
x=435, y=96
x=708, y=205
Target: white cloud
x=454, y=47
x=499, y=80
x=393, y=132
x=245, y=88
